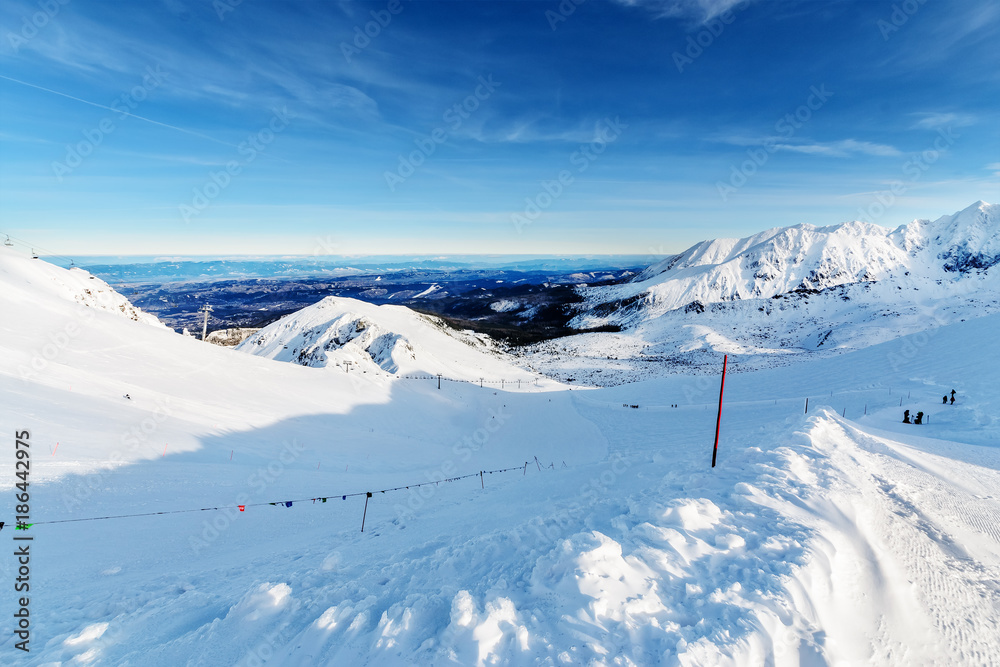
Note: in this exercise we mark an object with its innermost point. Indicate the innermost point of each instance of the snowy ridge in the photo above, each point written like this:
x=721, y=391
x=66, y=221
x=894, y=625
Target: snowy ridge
x=387, y=338
x=48, y=286
x=804, y=257
x=785, y=295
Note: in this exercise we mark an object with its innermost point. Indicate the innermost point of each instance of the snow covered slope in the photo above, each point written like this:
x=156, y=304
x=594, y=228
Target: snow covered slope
x=837, y=537
x=392, y=339
x=770, y=298
x=49, y=287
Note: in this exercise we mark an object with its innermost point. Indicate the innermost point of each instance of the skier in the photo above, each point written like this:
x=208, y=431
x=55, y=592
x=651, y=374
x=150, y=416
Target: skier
x=953, y=399
x=944, y=399
x=919, y=419
x=906, y=417
x=128, y=397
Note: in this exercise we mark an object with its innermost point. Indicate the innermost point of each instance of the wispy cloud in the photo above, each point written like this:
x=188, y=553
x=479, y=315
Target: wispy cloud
x=695, y=10
x=932, y=120
x=545, y=129
x=841, y=148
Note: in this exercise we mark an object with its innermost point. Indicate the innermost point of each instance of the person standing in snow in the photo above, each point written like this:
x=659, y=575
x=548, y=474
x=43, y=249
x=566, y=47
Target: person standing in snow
x=919, y=419
x=906, y=416
x=944, y=399
x=953, y=398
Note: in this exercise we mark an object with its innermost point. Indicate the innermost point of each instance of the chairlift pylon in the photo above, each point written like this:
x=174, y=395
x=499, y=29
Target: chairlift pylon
x=8, y=242
x=34, y=255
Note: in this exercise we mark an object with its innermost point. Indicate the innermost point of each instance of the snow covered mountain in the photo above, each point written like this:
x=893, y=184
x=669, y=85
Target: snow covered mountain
x=806, y=258
x=770, y=297
x=187, y=524
x=387, y=338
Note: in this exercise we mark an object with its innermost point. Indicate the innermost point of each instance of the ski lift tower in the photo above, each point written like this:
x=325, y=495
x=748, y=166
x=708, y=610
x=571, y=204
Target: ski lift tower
x=205, y=309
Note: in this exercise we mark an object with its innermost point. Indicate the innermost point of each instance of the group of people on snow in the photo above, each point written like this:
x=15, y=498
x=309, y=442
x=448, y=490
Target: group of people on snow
x=919, y=418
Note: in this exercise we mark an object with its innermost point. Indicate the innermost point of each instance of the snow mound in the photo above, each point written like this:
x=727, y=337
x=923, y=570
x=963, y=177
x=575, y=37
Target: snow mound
x=392, y=339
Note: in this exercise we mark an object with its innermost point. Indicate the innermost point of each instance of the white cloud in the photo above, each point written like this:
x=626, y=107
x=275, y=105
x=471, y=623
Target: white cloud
x=841, y=148
x=930, y=120
x=699, y=10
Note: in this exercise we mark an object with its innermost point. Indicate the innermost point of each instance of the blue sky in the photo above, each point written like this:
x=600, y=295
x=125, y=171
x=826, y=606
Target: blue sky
x=637, y=126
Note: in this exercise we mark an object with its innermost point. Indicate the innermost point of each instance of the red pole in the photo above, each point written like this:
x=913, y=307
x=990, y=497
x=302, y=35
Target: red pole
x=718, y=421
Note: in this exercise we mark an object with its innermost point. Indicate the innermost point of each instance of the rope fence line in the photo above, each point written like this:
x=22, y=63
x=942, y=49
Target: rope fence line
x=481, y=382
x=289, y=503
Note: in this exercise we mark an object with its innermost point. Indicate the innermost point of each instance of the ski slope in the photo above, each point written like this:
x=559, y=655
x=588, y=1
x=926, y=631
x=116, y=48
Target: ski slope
x=834, y=537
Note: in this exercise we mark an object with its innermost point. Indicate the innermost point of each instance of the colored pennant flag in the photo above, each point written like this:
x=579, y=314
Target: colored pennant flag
x=23, y=526
x=243, y=507
x=288, y=503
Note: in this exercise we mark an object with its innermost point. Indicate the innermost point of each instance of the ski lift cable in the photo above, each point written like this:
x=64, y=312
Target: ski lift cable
x=28, y=244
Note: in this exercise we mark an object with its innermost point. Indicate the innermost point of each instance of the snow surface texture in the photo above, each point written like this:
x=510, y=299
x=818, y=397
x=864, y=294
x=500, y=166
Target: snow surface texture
x=819, y=539
x=49, y=287
x=389, y=339
x=783, y=295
